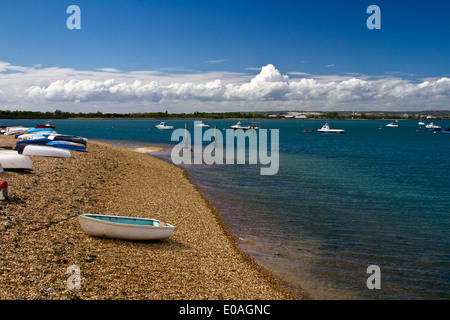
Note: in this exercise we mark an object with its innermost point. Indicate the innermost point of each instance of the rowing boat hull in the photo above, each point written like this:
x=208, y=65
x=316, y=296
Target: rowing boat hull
x=45, y=151
x=11, y=161
x=124, y=228
x=67, y=145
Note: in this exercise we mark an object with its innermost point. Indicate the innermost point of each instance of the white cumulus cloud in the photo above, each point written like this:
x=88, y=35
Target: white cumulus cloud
x=117, y=91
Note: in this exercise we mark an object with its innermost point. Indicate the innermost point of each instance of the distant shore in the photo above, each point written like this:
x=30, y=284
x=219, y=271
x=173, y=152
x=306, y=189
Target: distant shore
x=41, y=236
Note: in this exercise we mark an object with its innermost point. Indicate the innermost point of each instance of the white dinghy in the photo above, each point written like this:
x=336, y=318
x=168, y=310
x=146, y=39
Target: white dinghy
x=15, y=161
x=125, y=228
x=44, y=151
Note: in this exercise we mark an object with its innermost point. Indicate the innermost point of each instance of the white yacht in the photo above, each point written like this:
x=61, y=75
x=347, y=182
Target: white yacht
x=203, y=125
x=393, y=125
x=238, y=126
x=326, y=129
x=163, y=126
x=433, y=126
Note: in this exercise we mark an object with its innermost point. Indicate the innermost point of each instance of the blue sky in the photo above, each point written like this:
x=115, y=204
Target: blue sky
x=230, y=41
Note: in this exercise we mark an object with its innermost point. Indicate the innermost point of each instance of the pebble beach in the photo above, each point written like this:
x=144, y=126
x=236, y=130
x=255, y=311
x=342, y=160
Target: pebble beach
x=41, y=236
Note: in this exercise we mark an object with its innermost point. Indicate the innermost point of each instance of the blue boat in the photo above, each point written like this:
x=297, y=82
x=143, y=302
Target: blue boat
x=67, y=145
x=447, y=130
x=34, y=141
x=31, y=130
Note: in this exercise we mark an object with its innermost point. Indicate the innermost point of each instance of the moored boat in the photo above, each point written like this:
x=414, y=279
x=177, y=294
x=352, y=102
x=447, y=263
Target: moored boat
x=393, y=125
x=431, y=125
x=125, y=228
x=446, y=130
x=326, y=129
x=163, y=126
x=239, y=126
x=48, y=124
x=203, y=125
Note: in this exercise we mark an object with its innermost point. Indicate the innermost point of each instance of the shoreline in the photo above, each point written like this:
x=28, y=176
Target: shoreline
x=293, y=291
x=41, y=236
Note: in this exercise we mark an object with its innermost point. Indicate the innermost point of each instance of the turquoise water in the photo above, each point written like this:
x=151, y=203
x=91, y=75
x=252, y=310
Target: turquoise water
x=338, y=204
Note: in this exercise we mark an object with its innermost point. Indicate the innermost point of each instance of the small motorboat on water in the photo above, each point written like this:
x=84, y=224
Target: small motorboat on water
x=446, y=130
x=421, y=123
x=48, y=124
x=431, y=125
x=326, y=129
x=125, y=228
x=202, y=125
x=239, y=126
x=163, y=126
x=393, y=125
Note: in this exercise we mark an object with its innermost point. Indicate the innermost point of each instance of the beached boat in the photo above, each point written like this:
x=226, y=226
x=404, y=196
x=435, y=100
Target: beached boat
x=15, y=161
x=35, y=135
x=15, y=130
x=48, y=124
x=126, y=228
x=163, y=126
x=326, y=129
x=67, y=145
x=63, y=137
x=35, y=130
x=393, y=125
x=431, y=125
x=35, y=140
x=43, y=151
x=3, y=189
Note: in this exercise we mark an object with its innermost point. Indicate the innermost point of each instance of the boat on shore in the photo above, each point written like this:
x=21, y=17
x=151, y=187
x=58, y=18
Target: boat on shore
x=43, y=151
x=163, y=126
x=15, y=161
x=15, y=130
x=3, y=189
x=67, y=145
x=36, y=140
x=125, y=228
x=326, y=129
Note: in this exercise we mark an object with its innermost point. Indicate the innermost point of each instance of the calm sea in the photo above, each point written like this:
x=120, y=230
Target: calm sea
x=338, y=204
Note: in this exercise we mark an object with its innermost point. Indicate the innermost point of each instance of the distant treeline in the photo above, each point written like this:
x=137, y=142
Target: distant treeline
x=58, y=114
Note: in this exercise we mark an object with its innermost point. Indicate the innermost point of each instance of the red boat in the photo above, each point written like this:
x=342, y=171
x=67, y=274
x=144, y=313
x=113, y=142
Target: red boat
x=48, y=124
